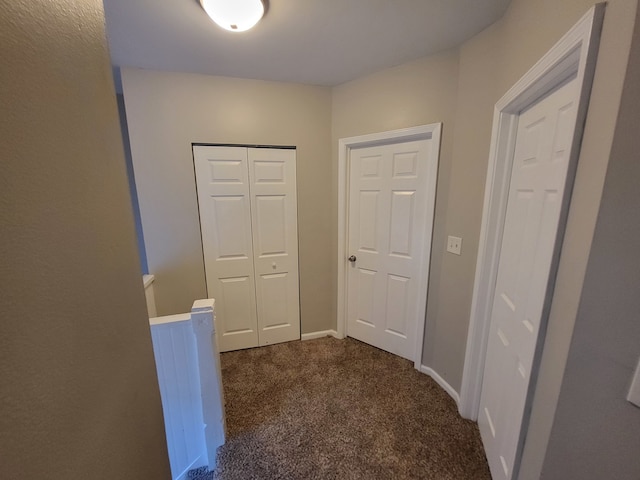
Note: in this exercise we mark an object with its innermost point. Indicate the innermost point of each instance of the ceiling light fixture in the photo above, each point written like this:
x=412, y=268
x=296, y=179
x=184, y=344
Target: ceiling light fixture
x=234, y=15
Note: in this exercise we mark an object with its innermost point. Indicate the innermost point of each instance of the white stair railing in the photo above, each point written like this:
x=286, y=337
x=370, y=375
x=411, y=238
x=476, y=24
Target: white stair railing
x=202, y=319
x=189, y=375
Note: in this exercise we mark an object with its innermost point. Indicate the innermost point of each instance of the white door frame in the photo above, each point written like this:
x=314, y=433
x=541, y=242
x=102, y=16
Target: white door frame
x=422, y=132
x=573, y=56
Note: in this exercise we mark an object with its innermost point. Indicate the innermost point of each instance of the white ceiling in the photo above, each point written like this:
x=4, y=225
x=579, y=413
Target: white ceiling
x=320, y=42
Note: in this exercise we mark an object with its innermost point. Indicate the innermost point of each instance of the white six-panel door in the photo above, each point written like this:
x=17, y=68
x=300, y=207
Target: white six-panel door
x=386, y=235
x=541, y=158
x=248, y=218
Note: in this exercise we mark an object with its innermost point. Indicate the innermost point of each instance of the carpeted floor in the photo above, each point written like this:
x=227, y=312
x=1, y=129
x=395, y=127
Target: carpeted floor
x=340, y=409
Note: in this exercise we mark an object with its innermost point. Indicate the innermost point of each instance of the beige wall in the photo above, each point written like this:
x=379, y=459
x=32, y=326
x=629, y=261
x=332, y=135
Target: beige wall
x=488, y=65
x=596, y=146
x=166, y=112
x=78, y=385
x=596, y=432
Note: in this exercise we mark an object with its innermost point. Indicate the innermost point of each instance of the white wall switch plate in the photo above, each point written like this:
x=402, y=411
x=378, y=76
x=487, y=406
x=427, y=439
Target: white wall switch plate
x=634, y=391
x=454, y=245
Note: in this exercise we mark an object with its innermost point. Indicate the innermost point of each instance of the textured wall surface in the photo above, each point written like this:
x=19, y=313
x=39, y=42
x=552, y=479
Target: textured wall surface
x=599, y=131
x=596, y=432
x=166, y=112
x=78, y=389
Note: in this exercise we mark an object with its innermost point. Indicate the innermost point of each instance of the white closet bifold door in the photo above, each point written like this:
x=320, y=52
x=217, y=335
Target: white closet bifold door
x=248, y=218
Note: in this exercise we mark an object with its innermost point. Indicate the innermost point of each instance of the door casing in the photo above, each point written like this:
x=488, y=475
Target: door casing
x=574, y=55
x=423, y=132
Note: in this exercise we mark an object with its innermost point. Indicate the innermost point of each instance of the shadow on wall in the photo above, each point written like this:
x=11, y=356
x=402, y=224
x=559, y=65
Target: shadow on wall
x=132, y=184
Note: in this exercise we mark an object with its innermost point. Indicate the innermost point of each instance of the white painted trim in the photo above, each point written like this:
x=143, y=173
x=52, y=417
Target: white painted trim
x=179, y=382
x=147, y=280
x=422, y=132
x=442, y=382
x=319, y=334
x=574, y=55
x=210, y=373
x=149, y=295
x=169, y=319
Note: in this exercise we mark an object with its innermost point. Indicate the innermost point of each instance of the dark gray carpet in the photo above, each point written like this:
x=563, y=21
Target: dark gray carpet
x=340, y=409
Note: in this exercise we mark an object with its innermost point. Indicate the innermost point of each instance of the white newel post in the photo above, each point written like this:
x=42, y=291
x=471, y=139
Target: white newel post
x=202, y=316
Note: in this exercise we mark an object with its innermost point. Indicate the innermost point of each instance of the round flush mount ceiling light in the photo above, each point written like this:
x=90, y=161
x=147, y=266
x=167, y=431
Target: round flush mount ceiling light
x=234, y=15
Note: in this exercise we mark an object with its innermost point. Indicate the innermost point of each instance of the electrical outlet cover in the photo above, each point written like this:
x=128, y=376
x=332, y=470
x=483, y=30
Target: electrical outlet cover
x=454, y=245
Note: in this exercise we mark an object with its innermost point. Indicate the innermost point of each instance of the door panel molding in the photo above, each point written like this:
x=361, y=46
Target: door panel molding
x=345, y=145
x=537, y=188
x=273, y=193
x=247, y=202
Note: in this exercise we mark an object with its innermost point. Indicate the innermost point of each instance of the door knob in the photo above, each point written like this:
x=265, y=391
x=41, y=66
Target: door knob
x=352, y=258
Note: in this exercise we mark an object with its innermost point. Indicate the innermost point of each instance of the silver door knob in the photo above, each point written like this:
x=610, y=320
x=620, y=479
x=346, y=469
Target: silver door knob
x=352, y=258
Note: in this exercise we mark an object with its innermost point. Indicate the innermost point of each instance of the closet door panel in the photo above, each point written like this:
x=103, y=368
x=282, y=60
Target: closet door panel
x=272, y=177
x=225, y=217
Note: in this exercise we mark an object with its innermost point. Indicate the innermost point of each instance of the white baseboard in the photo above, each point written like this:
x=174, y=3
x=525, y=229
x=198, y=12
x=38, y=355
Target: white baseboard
x=442, y=382
x=320, y=334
